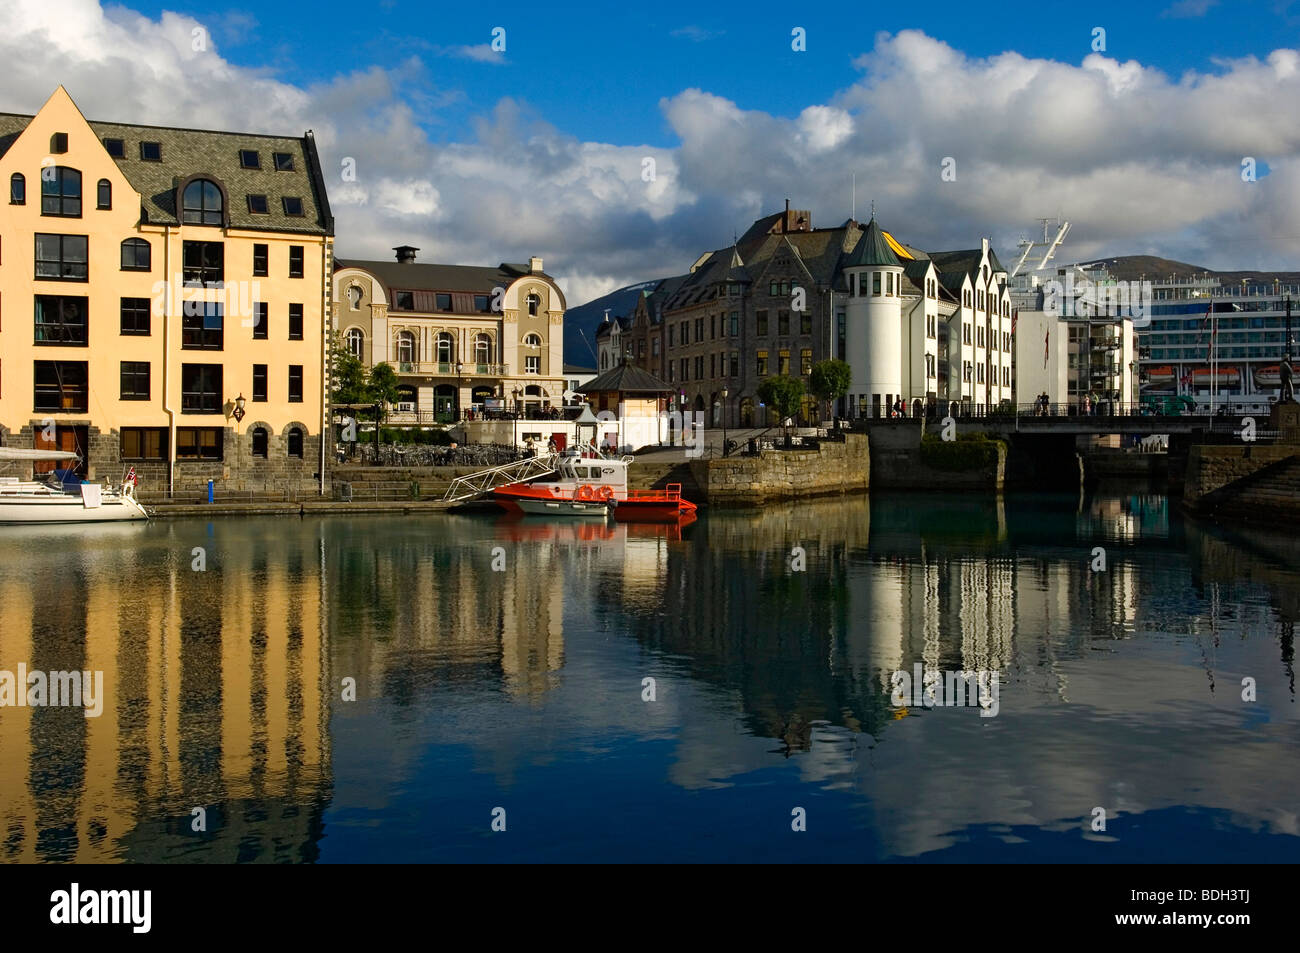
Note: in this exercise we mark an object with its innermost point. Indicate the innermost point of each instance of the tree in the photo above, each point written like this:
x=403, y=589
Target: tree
x=783, y=393
x=382, y=387
x=347, y=375
x=830, y=380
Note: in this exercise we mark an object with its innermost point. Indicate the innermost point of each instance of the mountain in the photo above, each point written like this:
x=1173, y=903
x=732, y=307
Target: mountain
x=586, y=318
x=1135, y=267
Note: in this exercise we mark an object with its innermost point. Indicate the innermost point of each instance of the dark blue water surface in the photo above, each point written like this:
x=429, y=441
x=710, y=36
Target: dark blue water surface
x=229, y=649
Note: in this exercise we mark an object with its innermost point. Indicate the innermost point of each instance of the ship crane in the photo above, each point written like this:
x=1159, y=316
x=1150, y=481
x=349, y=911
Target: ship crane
x=1050, y=244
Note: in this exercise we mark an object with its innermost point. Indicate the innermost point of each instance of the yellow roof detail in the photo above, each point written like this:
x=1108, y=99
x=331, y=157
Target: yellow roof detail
x=896, y=248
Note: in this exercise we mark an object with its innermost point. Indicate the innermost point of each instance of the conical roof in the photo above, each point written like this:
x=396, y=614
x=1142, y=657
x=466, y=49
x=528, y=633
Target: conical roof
x=872, y=249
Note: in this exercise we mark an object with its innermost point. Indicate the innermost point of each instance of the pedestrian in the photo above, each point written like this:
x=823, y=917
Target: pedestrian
x=1087, y=405
x=551, y=446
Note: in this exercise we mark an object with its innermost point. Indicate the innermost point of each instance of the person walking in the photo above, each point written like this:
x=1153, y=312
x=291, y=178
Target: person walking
x=1087, y=405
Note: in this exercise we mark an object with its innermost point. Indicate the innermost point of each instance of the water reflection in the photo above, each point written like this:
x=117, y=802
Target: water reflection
x=496, y=659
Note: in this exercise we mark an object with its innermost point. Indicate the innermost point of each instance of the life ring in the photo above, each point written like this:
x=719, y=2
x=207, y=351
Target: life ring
x=606, y=492
x=584, y=492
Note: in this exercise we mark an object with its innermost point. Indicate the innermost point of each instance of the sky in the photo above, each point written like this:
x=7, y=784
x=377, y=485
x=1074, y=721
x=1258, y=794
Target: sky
x=621, y=141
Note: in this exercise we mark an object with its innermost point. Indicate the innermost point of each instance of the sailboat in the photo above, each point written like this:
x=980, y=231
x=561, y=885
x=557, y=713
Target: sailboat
x=63, y=498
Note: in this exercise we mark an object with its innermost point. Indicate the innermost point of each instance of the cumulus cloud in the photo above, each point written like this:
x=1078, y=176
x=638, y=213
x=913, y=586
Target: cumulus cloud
x=1139, y=161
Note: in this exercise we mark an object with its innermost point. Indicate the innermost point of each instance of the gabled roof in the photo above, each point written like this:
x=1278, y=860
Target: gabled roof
x=203, y=152
x=627, y=379
x=417, y=276
x=966, y=259
x=872, y=249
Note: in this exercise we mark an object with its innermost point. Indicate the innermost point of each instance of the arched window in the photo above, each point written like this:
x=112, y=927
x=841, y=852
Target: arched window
x=201, y=203
x=61, y=191
x=295, y=442
x=104, y=194
x=135, y=255
x=17, y=189
x=259, y=442
x=482, y=349
x=354, y=297
x=532, y=340
x=405, y=347
x=534, y=302
x=356, y=343
x=443, y=348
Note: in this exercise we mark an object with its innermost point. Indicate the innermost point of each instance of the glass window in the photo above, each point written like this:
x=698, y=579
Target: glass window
x=257, y=205
x=442, y=301
x=875, y=283
x=202, y=203
x=151, y=151
x=760, y=322
x=135, y=315
x=62, y=257
x=356, y=343
x=61, y=319
x=295, y=261
x=144, y=443
x=295, y=442
x=116, y=148
x=136, y=255
x=261, y=321
x=17, y=189
x=135, y=380
x=203, y=330
x=762, y=364
x=259, y=383
x=60, y=386
x=295, y=322
x=292, y=206
x=61, y=192
x=295, y=383
x=250, y=159
x=104, y=194
x=203, y=262
x=261, y=261
x=260, y=441
x=283, y=161
x=198, y=443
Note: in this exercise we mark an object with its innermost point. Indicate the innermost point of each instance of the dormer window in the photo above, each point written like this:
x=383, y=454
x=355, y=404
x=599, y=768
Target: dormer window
x=250, y=159
x=151, y=151
x=257, y=205
x=202, y=203
x=292, y=206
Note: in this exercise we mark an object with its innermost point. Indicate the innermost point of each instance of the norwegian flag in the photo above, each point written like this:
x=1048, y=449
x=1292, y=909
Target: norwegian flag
x=131, y=477
x=1015, y=313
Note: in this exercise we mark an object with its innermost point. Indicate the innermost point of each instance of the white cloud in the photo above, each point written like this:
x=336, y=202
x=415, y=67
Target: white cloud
x=1138, y=160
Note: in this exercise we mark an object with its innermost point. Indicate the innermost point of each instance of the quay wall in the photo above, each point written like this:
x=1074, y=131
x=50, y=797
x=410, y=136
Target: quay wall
x=897, y=464
x=832, y=468
x=1245, y=481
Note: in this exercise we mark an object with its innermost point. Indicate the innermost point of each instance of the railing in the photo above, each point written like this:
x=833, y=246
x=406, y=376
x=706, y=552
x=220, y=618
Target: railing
x=451, y=369
x=476, y=484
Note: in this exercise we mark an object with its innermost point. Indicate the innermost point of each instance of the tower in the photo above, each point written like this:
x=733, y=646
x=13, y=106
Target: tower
x=873, y=317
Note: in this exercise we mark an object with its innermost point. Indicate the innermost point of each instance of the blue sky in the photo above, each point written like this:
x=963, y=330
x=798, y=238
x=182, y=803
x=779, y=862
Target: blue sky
x=478, y=157
x=599, y=70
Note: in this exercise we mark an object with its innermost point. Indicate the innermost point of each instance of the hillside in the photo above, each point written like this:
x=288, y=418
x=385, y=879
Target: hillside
x=586, y=318
x=1151, y=267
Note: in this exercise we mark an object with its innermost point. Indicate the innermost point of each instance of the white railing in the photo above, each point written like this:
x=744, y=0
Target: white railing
x=476, y=484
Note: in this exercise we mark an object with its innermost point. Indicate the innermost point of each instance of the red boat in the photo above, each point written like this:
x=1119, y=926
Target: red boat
x=593, y=486
x=655, y=506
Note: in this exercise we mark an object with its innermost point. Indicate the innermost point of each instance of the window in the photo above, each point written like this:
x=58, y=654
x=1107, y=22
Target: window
x=482, y=349
x=61, y=319
x=295, y=261
x=686, y=368
x=283, y=161
x=202, y=203
x=61, y=192
x=62, y=257
x=198, y=443
x=295, y=383
x=443, y=351
x=783, y=361
x=405, y=347
x=250, y=159
x=17, y=189
x=135, y=315
x=144, y=443
x=760, y=322
x=875, y=283
x=136, y=255
x=735, y=324
x=965, y=332
x=60, y=387
x=805, y=322
x=805, y=361
x=654, y=349
x=403, y=301
x=534, y=302
x=783, y=322
x=259, y=383
x=532, y=340
x=261, y=321
x=482, y=303
x=201, y=388
x=259, y=442
x=292, y=205
x=670, y=335
x=735, y=364
x=104, y=194
x=295, y=322
x=116, y=148
x=699, y=329
x=762, y=363
x=135, y=380
x=204, y=330
x=203, y=262
x=356, y=343
x=532, y=364
x=151, y=151
x=295, y=442
x=257, y=205
x=713, y=326
x=686, y=333
x=699, y=367
x=442, y=301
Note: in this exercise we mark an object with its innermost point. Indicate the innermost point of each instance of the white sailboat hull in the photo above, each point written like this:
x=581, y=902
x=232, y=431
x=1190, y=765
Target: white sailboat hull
x=25, y=507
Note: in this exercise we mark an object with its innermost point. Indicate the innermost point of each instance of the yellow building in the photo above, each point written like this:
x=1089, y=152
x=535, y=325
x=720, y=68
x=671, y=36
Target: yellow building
x=173, y=315
x=461, y=338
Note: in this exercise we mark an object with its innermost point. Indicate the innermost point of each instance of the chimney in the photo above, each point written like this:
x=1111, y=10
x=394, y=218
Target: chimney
x=785, y=222
x=535, y=265
x=406, y=253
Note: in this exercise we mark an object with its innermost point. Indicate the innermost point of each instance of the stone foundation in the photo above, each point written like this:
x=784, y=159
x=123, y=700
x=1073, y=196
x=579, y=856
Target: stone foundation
x=832, y=468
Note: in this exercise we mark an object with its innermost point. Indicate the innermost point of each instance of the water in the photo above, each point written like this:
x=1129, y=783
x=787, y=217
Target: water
x=523, y=689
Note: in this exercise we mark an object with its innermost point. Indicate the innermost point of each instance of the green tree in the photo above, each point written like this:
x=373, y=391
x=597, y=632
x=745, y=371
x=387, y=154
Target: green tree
x=382, y=387
x=783, y=393
x=829, y=380
x=348, y=383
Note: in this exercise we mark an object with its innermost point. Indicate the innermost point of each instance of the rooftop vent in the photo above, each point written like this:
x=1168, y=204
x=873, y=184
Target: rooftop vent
x=406, y=253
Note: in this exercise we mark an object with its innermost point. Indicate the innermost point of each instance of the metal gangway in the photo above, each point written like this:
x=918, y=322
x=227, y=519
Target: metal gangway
x=483, y=481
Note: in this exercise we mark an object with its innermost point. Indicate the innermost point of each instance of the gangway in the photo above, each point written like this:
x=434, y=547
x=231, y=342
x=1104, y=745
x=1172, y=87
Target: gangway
x=483, y=481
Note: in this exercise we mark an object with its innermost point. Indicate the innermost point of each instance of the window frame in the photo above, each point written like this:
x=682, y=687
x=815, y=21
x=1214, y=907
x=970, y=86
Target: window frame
x=133, y=369
x=262, y=371
x=243, y=159
x=135, y=311
x=62, y=175
x=144, y=148
x=61, y=324
x=103, y=188
x=297, y=261
x=204, y=213
x=62, y=259
x=301, y=207
x=136, y=244
x=261, y=208
x=295, y=321
x=295, y=375
x=202, y=400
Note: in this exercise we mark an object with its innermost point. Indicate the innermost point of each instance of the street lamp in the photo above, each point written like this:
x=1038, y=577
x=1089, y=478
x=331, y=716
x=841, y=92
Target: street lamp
x=238, y=412
x=724, y=421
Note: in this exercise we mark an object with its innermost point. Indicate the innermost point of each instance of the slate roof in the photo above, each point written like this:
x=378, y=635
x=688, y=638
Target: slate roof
x=192, y=152
x=627, y=379
x=417, y=276
x=967, y=260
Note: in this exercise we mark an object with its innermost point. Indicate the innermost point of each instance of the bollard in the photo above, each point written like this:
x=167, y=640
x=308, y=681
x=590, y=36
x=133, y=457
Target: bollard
x=209, y=491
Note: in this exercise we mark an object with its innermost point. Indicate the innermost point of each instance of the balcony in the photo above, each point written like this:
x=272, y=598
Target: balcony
x=443, y=369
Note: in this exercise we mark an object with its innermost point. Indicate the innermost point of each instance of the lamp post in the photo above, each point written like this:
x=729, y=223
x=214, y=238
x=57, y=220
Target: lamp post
x=724, y=421
x=238, y=412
